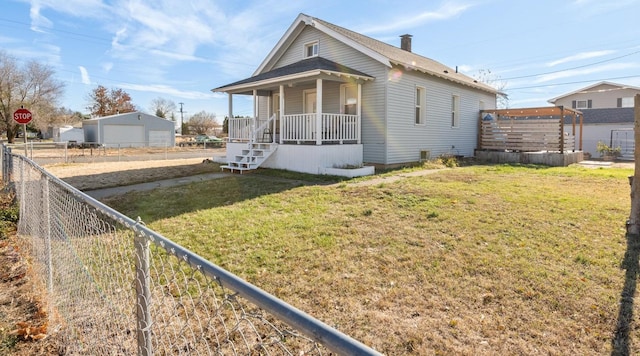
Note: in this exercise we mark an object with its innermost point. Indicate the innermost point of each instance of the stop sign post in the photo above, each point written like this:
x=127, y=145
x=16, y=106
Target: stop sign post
x=23, y=116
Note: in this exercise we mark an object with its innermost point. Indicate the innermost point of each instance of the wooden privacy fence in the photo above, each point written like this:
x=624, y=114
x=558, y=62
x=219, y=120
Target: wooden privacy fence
x=530, y=130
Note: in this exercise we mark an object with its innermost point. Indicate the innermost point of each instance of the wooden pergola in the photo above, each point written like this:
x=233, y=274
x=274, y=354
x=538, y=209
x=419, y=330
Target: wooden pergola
x=529, y=129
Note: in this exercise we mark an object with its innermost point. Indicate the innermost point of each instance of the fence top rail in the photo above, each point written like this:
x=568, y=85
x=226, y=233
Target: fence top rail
x=320, y=332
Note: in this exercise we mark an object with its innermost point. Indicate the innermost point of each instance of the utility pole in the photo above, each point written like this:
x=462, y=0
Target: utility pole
x=181, y=117
x=633, y=224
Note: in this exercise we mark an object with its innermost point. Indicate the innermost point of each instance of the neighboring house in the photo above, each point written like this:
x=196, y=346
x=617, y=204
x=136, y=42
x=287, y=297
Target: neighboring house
x=608, y=115
x=612, y=126
x=134, y=129
x=68, y=133
x=603, y=95
x=326, y=97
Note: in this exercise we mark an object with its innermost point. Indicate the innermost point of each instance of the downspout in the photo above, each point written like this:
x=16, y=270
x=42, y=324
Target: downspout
x=386, y=119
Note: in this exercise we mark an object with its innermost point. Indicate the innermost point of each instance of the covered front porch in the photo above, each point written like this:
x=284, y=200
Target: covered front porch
x=311, y=110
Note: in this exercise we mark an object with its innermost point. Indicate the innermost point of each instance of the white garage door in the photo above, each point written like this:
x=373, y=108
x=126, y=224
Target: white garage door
x=160, y=138
x=124, y=135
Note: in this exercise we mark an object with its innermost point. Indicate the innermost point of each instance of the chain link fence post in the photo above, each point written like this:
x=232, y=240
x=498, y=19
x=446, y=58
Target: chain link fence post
x=4, y=164
x=143, y=292
x=47, y=232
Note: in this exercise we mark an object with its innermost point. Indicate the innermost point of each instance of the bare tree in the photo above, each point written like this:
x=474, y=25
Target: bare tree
x=105, y=102
x=163, y=108
x=202, y=123
x=487, y=77
x=32, y=86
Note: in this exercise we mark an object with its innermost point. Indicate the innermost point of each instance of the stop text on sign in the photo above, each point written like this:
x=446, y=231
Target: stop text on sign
x=22, y=116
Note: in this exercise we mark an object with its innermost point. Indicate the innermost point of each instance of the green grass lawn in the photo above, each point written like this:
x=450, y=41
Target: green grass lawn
x=492, y=259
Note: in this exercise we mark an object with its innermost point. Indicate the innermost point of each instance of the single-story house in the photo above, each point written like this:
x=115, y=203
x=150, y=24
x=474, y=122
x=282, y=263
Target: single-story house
x=327, y=98
x=133, y=129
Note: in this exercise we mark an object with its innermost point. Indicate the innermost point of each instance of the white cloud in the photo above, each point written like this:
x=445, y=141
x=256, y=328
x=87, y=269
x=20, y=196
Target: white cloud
x=85, y=75
x=38, y=21
x=76, y=8
x=579, y=57
x=586, y=71
x=446, y=11
x=167, y=90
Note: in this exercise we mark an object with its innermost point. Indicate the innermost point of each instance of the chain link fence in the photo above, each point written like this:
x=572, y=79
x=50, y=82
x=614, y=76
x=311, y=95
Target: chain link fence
x=64, y=152
x=115, y=287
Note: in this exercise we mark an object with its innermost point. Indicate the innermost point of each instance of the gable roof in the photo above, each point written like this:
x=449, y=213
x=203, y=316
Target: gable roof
x=585, y=89
x=133, y=114
x=305, y=68
x=386, y=54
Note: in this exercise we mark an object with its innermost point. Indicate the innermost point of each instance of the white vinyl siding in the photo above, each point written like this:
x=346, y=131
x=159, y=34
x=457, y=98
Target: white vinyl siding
x=406, y=139
x=373, y=92
x=389, y=133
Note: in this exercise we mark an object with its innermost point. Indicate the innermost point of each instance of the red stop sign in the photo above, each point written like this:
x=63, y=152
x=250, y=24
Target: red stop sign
x=22, y=116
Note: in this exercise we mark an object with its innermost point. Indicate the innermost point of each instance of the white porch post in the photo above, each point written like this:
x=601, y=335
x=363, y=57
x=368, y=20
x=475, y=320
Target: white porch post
x=318, y=111
x=255, y=103
x=268, y=111
x=359, y=112
x=230, y=129
x=255, y=115
x=281, y=114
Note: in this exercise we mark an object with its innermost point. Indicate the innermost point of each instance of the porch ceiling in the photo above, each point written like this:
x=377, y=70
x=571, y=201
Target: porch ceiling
x=307, y=69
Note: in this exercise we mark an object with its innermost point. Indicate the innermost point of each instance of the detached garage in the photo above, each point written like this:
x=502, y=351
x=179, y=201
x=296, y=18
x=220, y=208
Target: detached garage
x=133, y=129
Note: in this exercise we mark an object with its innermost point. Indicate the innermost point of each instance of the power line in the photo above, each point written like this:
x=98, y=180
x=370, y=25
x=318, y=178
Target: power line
x=576, y=82
x=572, y=68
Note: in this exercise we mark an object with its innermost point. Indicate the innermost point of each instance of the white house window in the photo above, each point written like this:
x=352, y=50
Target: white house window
x=349, y=99
x=626, y=102
x=455, y=110
x=581, y=104
x=311, y=49
x=420, y=105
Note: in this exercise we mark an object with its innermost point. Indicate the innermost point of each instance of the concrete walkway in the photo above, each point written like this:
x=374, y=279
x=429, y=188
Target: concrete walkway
x=108, y=192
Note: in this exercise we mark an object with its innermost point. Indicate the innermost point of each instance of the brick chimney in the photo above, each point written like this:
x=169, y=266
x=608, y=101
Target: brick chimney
x=405, y=42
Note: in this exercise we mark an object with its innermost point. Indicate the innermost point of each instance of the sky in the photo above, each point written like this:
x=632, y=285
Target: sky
x=179, y=50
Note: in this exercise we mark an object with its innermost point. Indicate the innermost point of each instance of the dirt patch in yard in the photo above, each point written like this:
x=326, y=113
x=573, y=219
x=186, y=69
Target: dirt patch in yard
x=90, y=176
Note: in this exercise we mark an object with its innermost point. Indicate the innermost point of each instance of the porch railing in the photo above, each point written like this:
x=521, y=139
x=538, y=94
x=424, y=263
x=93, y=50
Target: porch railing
x=301, y=128
x=240, y=129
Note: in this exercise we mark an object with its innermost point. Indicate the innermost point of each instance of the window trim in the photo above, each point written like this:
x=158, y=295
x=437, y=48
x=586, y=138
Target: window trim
x=627, y=102
x=455, y=110
x=586, y=104
x=312, y=44
x=343, y=88
x=420, y=93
